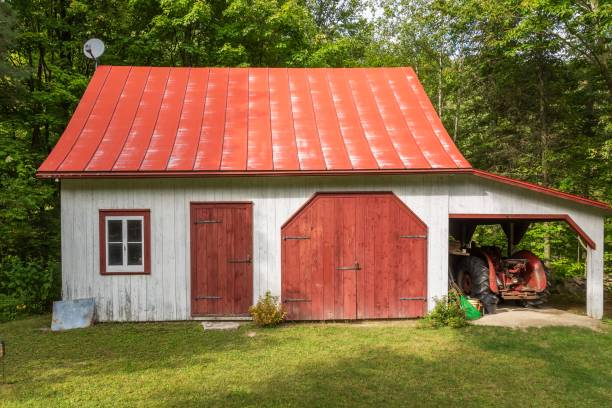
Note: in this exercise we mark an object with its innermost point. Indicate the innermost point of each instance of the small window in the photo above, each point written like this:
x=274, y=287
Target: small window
x=124, y=242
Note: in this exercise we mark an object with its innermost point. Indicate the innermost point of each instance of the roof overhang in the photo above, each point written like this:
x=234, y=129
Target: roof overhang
x=301, y=173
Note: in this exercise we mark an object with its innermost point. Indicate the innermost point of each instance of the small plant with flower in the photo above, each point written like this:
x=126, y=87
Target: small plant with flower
x=268, y=311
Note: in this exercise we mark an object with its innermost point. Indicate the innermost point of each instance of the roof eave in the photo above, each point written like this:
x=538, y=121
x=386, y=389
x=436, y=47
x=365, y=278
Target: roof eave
x=291, y=173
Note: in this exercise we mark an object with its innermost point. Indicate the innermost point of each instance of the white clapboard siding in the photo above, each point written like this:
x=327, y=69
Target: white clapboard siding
x=165, y=294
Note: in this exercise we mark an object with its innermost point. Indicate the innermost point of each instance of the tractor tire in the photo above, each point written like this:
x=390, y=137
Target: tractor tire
x=537, y=303
x=479, y=276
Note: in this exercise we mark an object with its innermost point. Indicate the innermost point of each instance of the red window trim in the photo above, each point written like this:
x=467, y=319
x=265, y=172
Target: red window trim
x=146, y=214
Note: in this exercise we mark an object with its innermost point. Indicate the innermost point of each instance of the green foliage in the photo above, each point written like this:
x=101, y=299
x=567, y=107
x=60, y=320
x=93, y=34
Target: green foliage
x=268, y=311
x=523, y=87
x=28, y=286
x=447, y=312
x=11, y=308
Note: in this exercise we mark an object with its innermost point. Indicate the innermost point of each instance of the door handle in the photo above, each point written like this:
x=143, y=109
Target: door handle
x=247, y=260
x=354, y=267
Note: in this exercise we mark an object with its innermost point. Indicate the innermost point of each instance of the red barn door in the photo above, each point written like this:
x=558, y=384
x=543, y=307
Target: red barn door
x=221, y=252
x=354, y=256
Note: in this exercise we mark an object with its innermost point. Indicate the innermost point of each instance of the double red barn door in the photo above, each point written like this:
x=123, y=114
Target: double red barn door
x=354, y=256
x=221, y=258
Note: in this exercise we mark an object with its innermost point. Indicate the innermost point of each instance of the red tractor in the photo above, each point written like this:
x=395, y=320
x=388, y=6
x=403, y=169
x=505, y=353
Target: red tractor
x=483, y=273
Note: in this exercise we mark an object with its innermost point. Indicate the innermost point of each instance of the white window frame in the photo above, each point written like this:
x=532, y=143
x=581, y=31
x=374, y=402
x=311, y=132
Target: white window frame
x=125, y=268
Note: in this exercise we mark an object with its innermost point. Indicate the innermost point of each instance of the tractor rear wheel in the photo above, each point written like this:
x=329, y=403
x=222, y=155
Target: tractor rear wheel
x=475, y=271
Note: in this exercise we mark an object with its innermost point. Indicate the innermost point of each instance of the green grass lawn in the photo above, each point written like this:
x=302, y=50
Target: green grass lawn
x=178, y=364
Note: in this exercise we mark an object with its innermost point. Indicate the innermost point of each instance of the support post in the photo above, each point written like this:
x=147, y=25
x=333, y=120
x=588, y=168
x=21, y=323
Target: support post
x=594, y=282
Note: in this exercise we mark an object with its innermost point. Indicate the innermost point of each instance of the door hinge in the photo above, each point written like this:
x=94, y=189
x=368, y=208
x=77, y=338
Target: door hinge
x=289, y=300
x=413, y=236
x=208, y=222
x=296, y=237
x=247, y=260
x=413, y=298
x=208, y=297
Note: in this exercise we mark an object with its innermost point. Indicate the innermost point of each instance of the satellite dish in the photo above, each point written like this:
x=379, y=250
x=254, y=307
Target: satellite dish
x=93, y=49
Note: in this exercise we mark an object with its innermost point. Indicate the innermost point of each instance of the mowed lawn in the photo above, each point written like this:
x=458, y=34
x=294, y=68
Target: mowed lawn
x=179, y=364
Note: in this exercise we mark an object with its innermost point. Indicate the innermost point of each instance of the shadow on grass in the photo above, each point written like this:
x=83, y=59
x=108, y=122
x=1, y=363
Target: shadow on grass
x=178, y=364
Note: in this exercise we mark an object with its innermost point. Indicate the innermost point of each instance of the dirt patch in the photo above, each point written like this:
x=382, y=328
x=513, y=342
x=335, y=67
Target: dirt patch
x=523, y=318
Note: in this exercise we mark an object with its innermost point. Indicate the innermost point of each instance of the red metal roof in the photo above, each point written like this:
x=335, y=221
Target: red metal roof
x=169, y=122
x=143, y=119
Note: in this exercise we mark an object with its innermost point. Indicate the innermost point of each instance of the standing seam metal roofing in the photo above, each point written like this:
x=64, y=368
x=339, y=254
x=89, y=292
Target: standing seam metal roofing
x=173, y=122
x=143, y=119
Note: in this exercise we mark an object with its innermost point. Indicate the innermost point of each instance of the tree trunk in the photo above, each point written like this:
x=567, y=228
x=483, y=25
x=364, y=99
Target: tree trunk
x=458, y=101
x=440, y=85
x=544, y=146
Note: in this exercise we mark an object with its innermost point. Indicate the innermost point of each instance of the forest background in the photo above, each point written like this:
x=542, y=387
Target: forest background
x=522, y=86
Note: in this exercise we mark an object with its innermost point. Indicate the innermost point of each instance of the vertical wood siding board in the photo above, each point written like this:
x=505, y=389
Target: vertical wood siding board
x=168, y=255
x=313, y=265
x=361, y=238
x=183, y=266
x=66, y=235
x=69, y=258
x=159, y=293
x=102, y=288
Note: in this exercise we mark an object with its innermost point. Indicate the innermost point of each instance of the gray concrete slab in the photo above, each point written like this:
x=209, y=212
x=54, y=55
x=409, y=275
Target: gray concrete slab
x=221, y=325
x=518, y=318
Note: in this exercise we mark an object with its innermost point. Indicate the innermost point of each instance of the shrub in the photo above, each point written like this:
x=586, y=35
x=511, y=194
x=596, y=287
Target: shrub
x=33, y=285
x=11, y=307
x=268, y=311
x=447, y=312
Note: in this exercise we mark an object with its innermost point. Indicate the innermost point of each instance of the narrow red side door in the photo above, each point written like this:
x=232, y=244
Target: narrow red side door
x=221, y=258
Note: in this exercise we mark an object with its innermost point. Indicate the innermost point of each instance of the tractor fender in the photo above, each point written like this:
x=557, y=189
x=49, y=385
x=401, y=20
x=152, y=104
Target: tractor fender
x=535, y=269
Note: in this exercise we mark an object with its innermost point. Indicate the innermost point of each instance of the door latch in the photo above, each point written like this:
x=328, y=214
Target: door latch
x=354, y=267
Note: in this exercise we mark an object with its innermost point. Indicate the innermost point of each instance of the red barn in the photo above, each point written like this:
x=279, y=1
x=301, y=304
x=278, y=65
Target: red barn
x=188, y=192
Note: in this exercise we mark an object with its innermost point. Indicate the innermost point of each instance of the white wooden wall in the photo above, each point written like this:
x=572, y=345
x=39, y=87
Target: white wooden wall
x=164, y=295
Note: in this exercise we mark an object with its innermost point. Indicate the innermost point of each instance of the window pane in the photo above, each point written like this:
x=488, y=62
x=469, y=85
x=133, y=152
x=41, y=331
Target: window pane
x=134, y=256
x=115, y=228
x=115, y=254
x=134, y=229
